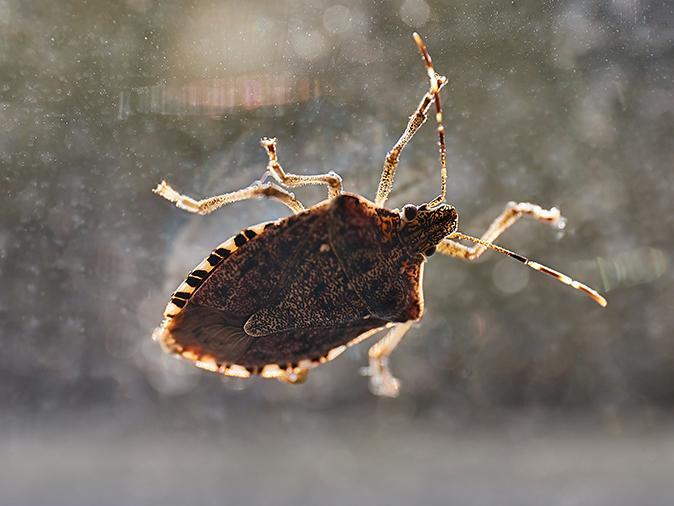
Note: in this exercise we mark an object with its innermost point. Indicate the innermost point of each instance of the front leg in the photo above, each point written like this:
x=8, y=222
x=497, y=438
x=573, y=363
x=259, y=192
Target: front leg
x=505, y=220
x=509, y=216
x=416, y=120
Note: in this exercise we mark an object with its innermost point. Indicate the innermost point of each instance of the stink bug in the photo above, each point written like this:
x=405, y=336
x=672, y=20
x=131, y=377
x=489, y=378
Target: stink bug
x=283, y=297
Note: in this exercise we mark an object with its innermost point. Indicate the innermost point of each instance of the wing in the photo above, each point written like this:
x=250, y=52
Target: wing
x=204, y=335
x=316, y=293
x=289, y=348
x=276, y=294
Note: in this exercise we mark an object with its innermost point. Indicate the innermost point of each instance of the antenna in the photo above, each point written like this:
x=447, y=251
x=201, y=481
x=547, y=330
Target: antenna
x=537, y=267
x=435, y=80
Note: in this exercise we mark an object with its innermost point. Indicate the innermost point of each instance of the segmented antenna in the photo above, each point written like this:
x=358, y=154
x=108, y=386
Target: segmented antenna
x=435, y=84
x=537, y=267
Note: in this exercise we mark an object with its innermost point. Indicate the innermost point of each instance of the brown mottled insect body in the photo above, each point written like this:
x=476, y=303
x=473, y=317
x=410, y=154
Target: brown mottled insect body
x=305, y=285
x=280, y=298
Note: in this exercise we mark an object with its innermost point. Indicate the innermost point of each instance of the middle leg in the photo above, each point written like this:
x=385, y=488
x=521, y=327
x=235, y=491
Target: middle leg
x=331, y=180
x=382, y=382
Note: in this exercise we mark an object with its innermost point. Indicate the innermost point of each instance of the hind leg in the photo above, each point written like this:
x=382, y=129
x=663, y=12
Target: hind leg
x=206, y=206
x=295, y=376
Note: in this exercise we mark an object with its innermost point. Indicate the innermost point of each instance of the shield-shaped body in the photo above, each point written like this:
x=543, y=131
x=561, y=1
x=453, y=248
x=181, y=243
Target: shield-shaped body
x=295, y=292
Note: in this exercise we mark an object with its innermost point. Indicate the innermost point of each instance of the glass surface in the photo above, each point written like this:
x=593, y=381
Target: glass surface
x=515, y=389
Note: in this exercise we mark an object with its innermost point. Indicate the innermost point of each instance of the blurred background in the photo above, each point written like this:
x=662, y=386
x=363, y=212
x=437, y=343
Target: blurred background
x=515, y=390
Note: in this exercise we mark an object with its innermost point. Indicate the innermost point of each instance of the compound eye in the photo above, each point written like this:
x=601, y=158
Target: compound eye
x=430, y=251
x=409, y=212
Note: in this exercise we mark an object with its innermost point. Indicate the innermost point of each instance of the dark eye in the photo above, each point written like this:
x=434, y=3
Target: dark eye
x=409, y=212
x=429, y=251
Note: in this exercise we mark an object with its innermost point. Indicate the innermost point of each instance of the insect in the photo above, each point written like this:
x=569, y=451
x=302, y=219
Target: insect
x=283, y=297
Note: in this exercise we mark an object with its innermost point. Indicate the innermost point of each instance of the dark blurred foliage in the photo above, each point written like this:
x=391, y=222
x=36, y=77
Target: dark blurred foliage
x=558, y=103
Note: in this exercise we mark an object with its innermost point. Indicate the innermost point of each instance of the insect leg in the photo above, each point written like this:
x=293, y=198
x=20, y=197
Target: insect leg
x=331, y=180
x=509, y=216
x=512, y=212
x=416, y=120
x=438, y=118
x=206, y=206
x=295, y=376
x=382, y=382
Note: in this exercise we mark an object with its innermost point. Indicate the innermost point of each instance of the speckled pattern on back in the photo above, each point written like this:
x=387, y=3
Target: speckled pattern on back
x=282, y=295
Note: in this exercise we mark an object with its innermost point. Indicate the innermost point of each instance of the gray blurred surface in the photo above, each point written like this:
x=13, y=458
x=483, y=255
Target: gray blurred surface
x=286, y=458
x=515, y=390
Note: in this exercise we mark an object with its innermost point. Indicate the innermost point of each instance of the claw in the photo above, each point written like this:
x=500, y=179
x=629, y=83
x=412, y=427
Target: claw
x=163, y=189
x=267, y=142
x=385, y=388
x=294, y=377
x=560, y=224
x=382, y=382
